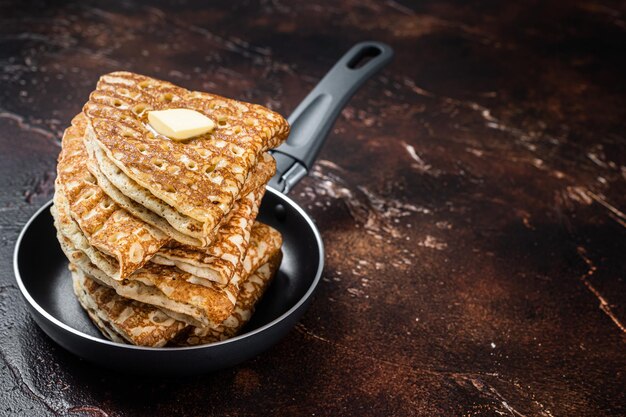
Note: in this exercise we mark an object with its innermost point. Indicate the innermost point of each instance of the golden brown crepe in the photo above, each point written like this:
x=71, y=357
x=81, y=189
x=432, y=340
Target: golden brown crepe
x=161, y=233
x=200, y=178
x=252, y=289
x=131, y=241
x=172, y=290
x=221, y=259
x=108, y=228
x=126, y=321
x=121, y=319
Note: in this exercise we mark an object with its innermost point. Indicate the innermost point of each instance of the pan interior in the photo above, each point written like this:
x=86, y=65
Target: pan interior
x=43, y=267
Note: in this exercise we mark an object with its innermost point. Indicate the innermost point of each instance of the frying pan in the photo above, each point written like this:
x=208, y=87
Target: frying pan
x=43, y=278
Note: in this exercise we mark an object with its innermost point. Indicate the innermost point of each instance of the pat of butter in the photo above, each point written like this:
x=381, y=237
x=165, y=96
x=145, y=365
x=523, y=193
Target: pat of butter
x=180, y=124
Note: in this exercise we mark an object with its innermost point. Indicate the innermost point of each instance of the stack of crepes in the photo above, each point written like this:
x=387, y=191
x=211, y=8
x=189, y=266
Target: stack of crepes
x=161, y=234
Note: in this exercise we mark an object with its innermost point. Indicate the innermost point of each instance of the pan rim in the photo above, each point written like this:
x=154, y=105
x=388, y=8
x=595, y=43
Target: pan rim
x=56, y=322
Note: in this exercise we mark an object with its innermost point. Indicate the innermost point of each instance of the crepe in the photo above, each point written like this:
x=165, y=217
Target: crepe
x=129, y=240
x=150, y=209
x=107, y=227
x=123, y=320
x=172, y=290
x=200, y=178
x=68, y=229
x=252, y=289
x=219, y=261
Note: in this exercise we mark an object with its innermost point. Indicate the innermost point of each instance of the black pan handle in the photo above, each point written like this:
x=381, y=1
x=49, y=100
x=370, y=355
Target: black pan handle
x=316, y=114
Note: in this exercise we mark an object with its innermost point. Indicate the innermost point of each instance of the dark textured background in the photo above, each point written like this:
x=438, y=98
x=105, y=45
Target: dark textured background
x=471, y=199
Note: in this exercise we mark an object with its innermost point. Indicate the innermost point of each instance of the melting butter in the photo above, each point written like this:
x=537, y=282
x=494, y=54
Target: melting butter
x=180, y=124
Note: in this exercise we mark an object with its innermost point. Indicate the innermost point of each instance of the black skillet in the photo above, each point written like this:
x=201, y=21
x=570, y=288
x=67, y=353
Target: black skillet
x=42, y=275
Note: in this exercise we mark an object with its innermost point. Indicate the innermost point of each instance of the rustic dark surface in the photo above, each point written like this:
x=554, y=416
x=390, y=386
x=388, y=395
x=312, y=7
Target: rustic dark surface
x=471, y=199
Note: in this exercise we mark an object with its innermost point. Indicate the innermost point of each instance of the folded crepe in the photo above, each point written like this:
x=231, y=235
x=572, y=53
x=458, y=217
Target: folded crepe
x=252, y=289
x=219, y=261
x=127, y=241
x=131, y=242
x=123, y=320
x=194, y=184
x=177, y=293
x=150, y=209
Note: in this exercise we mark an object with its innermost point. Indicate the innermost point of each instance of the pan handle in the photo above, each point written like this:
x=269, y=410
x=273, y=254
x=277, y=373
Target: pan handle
x=316, y=114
